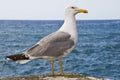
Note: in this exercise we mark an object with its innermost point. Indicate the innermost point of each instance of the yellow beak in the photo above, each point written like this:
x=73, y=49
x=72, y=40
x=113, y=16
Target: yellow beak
x=82, y=11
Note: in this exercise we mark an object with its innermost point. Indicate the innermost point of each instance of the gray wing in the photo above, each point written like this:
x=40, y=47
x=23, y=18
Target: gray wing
x=53, y=45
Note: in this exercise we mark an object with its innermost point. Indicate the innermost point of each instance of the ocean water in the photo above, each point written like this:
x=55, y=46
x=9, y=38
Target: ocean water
x=96, y=54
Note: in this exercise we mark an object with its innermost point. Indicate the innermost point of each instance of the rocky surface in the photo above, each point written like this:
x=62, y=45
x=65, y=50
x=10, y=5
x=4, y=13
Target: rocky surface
x=50, y=77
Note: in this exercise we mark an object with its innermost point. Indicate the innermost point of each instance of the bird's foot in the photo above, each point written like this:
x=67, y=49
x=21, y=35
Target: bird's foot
x=63, y=74
x=66, y=74
x=55, y=74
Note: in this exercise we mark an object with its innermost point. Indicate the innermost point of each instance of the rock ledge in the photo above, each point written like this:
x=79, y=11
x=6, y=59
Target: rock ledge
x=50, y=77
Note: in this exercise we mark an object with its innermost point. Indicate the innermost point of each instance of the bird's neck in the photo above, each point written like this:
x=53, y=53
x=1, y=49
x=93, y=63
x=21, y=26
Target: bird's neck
x=69, y=26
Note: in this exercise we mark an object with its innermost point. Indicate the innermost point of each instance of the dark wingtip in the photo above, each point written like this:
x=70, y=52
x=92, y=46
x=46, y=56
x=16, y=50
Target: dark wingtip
x=16, y=57
x=8, y=58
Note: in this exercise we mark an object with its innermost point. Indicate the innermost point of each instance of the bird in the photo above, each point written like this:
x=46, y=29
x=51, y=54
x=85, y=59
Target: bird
x=56, y=45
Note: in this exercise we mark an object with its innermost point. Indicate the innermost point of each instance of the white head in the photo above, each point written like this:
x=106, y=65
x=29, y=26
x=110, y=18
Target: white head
x=74, y=10
x=69, y=25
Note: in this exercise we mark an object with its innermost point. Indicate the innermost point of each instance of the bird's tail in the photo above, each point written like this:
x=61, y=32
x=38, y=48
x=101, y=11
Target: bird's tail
x=20, y=58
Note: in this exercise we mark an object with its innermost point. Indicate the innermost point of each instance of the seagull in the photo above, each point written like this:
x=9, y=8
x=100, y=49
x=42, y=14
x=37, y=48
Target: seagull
x=55, y=45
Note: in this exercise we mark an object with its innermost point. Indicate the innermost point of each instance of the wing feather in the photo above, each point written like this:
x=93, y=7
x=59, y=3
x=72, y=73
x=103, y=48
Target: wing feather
x=53, y=45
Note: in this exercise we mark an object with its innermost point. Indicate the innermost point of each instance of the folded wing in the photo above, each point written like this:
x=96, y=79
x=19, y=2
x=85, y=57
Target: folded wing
x=53, y=45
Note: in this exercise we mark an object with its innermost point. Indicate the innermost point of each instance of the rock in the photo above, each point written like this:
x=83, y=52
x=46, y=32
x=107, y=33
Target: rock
x=50, y=77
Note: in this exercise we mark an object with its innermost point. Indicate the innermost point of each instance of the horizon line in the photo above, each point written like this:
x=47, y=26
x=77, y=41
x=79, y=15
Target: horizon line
x=49, y=19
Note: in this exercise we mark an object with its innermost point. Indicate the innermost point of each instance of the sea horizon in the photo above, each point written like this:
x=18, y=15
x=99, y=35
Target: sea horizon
x=54, y=19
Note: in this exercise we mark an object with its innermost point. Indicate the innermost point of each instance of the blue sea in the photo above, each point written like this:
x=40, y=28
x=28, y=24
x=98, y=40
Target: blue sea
x=96, y=54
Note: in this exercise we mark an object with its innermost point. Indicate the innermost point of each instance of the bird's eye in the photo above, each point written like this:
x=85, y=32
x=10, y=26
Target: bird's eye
x=73, y=7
